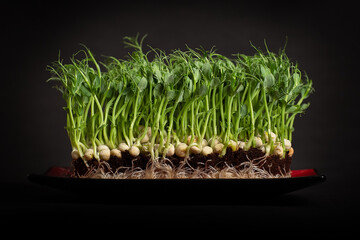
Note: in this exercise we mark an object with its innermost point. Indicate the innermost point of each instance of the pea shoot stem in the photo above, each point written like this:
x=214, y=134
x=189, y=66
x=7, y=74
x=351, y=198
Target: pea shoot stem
x=183, y=97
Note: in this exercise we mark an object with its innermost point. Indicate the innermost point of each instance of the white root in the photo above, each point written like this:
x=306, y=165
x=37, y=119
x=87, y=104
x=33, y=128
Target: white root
x=161, y=169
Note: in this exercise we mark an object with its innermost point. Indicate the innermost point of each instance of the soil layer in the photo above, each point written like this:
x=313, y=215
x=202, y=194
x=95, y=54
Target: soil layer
x=272, y=164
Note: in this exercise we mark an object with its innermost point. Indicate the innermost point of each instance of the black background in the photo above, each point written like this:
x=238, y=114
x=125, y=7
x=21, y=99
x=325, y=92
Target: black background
x=322, y=39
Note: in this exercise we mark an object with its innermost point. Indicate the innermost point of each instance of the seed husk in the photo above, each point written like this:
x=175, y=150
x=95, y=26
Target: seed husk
x=115, y=152
x=171, y=150
x=104, y=154
x=123, y=147
x=218, y=148
x=207, y=150
x=134, y=151
x=180, y=150
x=75, y=154
x=89, y=154
x=195, y=150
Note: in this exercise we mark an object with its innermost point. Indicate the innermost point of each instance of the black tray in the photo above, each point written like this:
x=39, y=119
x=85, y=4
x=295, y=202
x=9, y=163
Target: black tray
x=178, y=190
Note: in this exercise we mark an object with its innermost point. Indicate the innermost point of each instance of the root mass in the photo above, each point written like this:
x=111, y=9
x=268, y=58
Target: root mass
x=239, y=164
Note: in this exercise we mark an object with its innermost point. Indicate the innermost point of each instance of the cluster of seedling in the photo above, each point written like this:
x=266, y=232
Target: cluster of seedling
x=182, y=103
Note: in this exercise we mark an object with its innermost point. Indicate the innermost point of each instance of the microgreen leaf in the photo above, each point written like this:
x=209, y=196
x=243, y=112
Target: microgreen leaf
x=243, y=110
x=215, y=82
x=158, y=90
x=292, y=109
x=304, y=106
x=269, y=80
x=206, y=69
x=169, y=79
x=142, y=84
x=170, y=95
x=85, y=91
x=202, y=91
x=96, y=83
x=197, y=75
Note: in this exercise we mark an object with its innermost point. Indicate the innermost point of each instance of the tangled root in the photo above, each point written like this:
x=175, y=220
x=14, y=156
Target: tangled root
x=164, y=169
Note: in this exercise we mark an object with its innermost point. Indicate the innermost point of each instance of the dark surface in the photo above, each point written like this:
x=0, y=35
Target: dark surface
x=314, y=210
x=322, y=38
x=177, y=191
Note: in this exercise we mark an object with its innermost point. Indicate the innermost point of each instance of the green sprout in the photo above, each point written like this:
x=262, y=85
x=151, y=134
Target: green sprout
x=186, y=102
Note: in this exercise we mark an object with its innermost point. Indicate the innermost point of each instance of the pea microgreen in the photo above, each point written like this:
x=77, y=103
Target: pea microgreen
x=185, y=95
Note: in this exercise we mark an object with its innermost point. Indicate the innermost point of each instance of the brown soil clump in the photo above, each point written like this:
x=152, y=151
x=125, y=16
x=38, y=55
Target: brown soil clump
x=239, y=161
